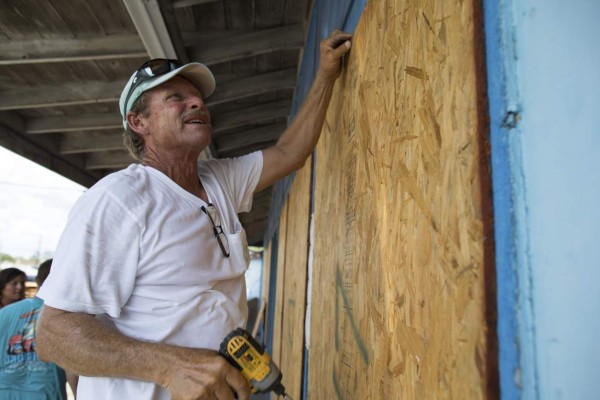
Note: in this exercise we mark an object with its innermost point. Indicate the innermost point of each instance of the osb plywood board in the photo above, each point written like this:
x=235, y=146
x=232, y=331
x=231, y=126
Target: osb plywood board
x=402, y=278
x=294, y=285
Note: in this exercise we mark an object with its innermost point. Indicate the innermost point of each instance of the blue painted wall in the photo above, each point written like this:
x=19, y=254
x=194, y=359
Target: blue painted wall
x=544, y=89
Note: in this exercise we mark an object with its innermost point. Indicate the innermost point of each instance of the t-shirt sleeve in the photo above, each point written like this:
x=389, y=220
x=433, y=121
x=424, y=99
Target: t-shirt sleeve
x=95, y=263
x=239, y=176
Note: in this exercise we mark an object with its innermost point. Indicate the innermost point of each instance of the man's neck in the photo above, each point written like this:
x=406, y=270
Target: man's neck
x=183, y=172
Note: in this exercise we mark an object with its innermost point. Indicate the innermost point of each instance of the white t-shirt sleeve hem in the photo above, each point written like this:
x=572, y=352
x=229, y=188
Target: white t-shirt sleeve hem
x=69, y=306
x=85, y=276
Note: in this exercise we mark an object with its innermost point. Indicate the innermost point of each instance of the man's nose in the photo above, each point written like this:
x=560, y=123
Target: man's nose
x=197, y=102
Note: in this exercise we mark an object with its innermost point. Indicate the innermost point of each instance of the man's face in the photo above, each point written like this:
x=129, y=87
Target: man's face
x=177, y=119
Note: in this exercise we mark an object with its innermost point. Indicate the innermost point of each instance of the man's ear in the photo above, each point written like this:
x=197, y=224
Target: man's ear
x=137, y=124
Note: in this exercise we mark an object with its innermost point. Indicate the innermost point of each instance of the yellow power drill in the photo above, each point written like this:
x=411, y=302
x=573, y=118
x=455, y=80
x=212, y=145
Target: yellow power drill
x=245, y=353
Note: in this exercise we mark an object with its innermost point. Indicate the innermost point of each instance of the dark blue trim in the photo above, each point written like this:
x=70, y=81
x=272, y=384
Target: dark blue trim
x=500, y=94
x=326, y=16
x=272, y=293
x=305, y=376
x=353, y=14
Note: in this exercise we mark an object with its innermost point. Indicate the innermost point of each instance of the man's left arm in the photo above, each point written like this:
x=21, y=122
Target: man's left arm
x=299, y=140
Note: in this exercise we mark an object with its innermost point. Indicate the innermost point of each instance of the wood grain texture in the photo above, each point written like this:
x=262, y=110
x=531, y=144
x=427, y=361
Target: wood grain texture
x=294, y=285
x=399, y=285
x=279, y=286
x=292, y=275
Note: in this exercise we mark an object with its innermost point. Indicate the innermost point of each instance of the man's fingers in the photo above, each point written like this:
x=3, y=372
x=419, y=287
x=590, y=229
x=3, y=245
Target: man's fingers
x=224, y=392
x=338, y=43
x=332, y=51
x=238, y=384
x=339, y=51
x=337, y=39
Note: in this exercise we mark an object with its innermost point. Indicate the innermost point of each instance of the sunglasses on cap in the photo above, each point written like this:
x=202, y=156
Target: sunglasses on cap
x=148, y=71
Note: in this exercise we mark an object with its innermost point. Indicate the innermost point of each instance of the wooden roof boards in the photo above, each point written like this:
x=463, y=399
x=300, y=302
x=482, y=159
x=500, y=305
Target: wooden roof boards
x=63, y=64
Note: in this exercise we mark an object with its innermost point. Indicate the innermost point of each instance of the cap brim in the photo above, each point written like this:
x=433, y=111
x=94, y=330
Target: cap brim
x=197, y=73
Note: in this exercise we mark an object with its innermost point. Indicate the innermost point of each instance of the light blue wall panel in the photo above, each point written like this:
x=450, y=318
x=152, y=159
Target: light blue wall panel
x=544, y=89
x=558, y=70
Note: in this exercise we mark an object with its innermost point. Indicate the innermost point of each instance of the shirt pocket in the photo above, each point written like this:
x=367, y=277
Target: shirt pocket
x=239, y=255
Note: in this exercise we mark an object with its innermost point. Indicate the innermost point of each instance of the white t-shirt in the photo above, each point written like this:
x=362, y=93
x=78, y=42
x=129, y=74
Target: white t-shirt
x=140, y=254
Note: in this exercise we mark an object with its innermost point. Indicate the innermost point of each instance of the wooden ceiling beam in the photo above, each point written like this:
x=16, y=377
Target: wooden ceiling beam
x=201, y=38
x=247, y=44
x=235, y=141
x=85, y=144
x=13, y=121
x=73, y=123
x=42, y=150
x=245, y=139
x=189, y=3
x=254, y=86
x=221, y=122
x=91, y=92
x=262, y=113
x=94, y=92
x=108, y=160
x=68, y=50
x=245, y=150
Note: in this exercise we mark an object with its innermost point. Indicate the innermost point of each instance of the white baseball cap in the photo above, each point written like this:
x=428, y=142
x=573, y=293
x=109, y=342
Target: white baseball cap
x=158, y=71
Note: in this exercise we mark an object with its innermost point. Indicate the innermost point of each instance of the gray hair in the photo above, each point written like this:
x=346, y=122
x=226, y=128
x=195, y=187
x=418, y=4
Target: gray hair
x=131, y=139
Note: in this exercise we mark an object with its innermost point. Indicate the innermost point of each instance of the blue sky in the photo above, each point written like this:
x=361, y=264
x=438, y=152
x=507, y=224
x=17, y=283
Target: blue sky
x=34, y=204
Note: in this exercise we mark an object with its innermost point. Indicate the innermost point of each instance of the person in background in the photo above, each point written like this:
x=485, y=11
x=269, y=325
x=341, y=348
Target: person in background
x=12, y=286
x=149, y=271
x=22, y=375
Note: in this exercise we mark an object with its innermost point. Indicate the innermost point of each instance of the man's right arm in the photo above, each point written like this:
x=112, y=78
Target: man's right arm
x=79, y=343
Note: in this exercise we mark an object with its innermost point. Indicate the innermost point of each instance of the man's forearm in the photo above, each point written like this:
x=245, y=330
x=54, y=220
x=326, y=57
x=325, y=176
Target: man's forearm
x=299, y=140
x=81, y=344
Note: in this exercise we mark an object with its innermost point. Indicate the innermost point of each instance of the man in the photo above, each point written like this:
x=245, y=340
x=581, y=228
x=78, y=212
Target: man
x=155, y=255
x=22, y=374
